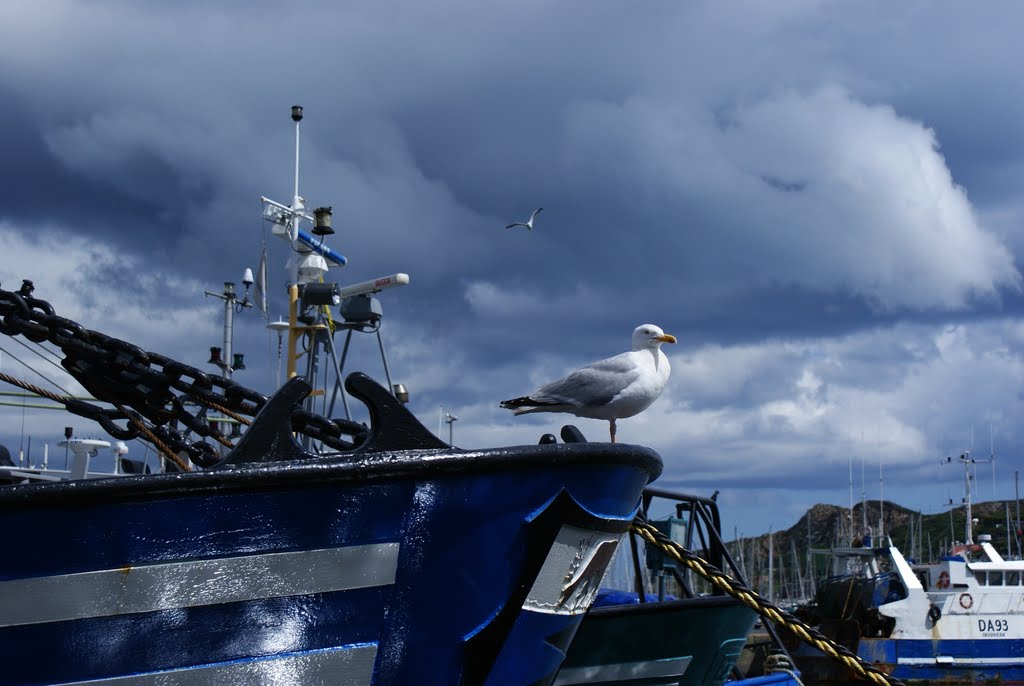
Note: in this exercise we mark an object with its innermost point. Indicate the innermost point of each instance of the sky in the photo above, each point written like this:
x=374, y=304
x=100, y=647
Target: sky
x=820, y=200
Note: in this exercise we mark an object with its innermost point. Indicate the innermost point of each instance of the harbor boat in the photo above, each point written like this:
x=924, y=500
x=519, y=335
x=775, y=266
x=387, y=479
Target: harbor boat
x=78, y=462
x=959, y=620
x=310, y=549
x=402, y=561
x=646, y=635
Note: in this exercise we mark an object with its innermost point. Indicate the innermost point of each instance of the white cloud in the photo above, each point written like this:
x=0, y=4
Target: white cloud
x=105, y=288
x=878, y=206
x=816, y=189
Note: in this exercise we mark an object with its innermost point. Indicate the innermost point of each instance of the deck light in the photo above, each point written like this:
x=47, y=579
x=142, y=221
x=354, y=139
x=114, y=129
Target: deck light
x=322, y=221
x=314, y=294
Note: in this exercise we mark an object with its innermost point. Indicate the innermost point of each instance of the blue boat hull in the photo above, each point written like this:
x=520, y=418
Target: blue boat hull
x=989, y=661
x=420, y=567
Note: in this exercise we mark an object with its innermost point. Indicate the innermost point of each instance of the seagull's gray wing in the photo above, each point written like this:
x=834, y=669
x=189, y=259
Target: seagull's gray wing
x=592, y=386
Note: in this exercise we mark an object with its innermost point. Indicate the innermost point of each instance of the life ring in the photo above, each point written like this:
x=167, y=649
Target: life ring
x=966, y=601
x=943, y=580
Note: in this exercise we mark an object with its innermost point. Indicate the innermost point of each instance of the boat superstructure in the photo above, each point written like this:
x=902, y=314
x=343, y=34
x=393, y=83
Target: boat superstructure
x=957, y=620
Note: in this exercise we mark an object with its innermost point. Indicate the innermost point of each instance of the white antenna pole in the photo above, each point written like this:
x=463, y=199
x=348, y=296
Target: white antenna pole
x=969, y=533
x=881, y=499
x=992, y=458
x=296, y=117
x=863, y=496
x=851, y=536
x=297, y=204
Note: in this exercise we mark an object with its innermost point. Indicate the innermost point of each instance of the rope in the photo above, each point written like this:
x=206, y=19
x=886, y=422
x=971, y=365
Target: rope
x=774, y=664
x=228, y=413
x=161, y=446
x=725, y=583
x=63, y=400
x=33, y=389
x=223, y=410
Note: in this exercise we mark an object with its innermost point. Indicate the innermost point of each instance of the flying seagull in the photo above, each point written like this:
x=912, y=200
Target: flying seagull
x=528, y=224
x=614, y=388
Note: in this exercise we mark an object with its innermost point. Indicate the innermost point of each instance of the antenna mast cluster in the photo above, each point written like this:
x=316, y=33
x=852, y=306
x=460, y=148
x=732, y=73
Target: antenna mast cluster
x=967, y=460
x=311, y=296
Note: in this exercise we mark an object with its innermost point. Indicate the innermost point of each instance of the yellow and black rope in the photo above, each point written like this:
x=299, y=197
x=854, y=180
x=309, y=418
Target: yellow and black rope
x=779, y=617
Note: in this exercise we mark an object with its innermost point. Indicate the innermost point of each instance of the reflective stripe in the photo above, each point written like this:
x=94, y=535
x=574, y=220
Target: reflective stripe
x=175, y=585
x=350, y=666
x=624, y=672
x=948, y=660
x=568, y=580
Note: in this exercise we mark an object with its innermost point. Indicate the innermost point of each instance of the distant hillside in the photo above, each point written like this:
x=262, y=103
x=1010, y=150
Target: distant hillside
x=918, y=536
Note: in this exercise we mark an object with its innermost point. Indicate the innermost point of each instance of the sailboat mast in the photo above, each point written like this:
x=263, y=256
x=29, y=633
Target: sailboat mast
x=851, y=536
x=968, y=529
x=881, y=501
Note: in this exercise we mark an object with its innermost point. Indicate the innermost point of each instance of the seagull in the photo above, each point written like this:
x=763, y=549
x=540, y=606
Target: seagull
x=614, y=388
x=528, y=224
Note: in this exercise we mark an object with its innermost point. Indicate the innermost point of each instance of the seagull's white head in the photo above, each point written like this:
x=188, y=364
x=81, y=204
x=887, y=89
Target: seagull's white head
x=650, y=336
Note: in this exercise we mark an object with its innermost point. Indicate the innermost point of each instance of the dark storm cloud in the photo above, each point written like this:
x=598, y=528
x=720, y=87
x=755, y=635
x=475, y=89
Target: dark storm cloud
x=820, y=200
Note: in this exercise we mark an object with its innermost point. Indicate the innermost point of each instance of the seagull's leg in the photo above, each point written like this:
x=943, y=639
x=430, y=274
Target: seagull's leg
x=611, y=428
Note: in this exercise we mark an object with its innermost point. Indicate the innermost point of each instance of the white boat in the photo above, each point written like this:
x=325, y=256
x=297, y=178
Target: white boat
x=959, y=620
x=77, y=464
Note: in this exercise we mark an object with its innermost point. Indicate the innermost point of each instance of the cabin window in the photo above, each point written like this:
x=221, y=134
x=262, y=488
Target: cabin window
x=980, y=578
x=995, y=578
x=1013, y=578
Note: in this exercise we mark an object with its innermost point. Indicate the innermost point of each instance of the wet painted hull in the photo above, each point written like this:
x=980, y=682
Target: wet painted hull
x=417, y=567
x=778, y=679
x=989, y=661
x=690, y=642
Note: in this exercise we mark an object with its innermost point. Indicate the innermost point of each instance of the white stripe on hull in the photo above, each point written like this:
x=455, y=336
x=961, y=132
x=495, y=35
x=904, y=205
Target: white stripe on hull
x=351, y=666
x=174, y=585
x=957, y=661
x=572, y=571
x=624, y=671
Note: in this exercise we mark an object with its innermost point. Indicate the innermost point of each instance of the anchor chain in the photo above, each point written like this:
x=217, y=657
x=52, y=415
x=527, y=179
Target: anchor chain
x=147, y=386
x=768, y=610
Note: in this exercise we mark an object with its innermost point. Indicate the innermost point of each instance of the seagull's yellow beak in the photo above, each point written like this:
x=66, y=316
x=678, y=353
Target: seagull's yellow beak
x=666, y=338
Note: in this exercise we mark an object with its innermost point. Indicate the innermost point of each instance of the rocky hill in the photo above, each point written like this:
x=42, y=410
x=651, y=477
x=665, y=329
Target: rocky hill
x=825, y=526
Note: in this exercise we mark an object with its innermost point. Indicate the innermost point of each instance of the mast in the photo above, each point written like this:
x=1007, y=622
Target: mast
x=311, y=296
x=967, y=461
x=1016, y=499
x=863, y=498
x=851, y=536
x=968, y=528
x=881, y=500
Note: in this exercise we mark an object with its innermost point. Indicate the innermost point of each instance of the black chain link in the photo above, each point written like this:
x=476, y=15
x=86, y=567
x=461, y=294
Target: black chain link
x=150, y=385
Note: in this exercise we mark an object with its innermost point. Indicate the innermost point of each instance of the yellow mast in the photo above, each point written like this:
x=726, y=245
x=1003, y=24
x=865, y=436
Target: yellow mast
x=293, y=328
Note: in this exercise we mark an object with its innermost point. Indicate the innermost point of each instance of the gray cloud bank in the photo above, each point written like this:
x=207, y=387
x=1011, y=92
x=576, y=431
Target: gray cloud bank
x=821, y=200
